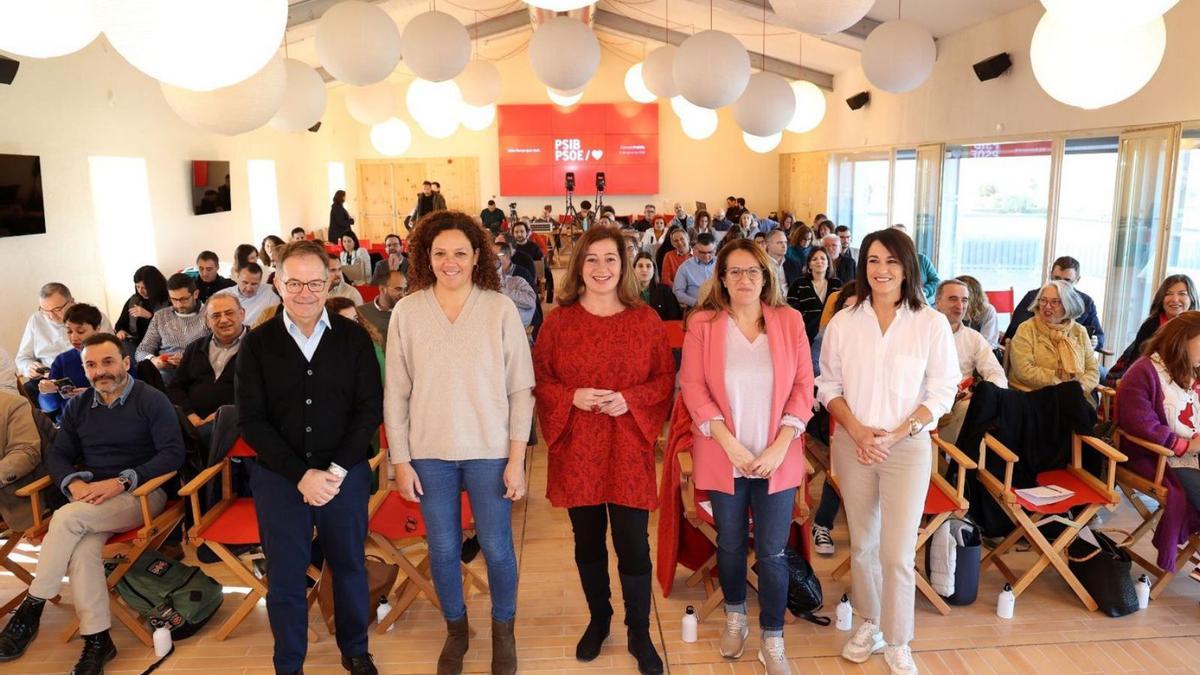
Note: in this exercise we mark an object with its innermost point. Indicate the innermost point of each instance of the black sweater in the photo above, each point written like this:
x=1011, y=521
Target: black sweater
x=193, y=387
x=300, y=415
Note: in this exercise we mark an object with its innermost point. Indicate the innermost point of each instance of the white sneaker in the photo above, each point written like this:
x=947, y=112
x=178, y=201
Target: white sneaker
x=822, y=540
x=772, y=656
x=866, y=641
x=733, y=640
x=900, y=660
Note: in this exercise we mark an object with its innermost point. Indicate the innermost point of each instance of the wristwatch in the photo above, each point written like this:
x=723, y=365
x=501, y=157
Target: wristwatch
x=914, y=426
x=125, y=482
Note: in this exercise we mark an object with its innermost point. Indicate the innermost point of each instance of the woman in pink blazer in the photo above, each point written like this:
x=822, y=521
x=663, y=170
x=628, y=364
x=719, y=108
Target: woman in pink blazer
x=747, y=381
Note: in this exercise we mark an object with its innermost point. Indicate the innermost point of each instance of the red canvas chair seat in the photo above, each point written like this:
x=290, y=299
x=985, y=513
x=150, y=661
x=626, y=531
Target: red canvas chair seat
x=237, y=525
x=398, y=518
x=937, y=502
x=1084, y=493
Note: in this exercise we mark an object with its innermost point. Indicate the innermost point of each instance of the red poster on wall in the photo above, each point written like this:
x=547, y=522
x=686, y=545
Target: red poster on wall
x=539, y=144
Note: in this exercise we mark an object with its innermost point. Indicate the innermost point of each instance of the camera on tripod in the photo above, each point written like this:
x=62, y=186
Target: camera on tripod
x=512, y=212
x=600, y=183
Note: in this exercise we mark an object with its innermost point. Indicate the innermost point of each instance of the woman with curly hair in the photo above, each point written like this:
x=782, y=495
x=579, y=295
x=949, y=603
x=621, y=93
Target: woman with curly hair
x=456, y=344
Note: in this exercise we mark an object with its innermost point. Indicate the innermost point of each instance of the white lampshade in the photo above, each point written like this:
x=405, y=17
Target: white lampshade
x=371, y=104
x=898, y=56
x=635, y=85
x=357, y=42
x=564, y=53
x=435, y=106
x=684, y=108
x=480, y=83
x=43, y=29
x=1108, y=13
x=559, y=5
x=711, y=69
x=176, y=41
x=822, y=17
x=435, y=46
x=700, y=125
x=477, y=118
x=392, y=137
x=236, y=109
x=565, y=99
x=762, y=144
x=303, y=99
x=766, y=106
x=658, y=71
x=1087, y=68
x=810, y=107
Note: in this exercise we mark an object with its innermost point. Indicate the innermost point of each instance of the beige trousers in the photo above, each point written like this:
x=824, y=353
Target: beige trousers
x=883, y=510
x=73, y=546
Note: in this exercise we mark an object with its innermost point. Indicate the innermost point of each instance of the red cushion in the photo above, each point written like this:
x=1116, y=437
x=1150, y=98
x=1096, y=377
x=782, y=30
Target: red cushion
x=130, y=535
x=237, y=524
x=1084, y=493
x=368, y=292
x=241, y=449
x=937, y=502
x=398, y=518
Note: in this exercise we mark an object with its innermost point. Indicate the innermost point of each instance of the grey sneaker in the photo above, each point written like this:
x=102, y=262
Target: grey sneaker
x=900, y=660
x=866, y=641
x=771, y=655
x=822, y=540
x=733, y=640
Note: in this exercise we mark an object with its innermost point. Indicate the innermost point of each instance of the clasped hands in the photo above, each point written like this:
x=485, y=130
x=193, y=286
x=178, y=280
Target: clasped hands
x=319, y=487
x=872, y=444
x=763, y=466
x=602, y=401
x=96, y=492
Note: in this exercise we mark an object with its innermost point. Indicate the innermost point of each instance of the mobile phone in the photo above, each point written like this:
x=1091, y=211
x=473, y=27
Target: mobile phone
x=64, y=383
x=41, y=369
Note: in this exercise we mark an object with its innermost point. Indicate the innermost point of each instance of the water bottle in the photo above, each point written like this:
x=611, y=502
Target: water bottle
x=845, y=614
x=1142, y=587
x=382, y=611
x=1006, y=603
x=690, y=625
x=162, y=641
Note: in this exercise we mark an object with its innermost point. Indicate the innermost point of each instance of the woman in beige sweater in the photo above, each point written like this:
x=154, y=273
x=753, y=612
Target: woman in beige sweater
x=1052, y=347
x=458, y=405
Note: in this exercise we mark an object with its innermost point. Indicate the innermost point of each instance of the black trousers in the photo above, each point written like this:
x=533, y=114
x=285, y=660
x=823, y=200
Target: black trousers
x=629, y=534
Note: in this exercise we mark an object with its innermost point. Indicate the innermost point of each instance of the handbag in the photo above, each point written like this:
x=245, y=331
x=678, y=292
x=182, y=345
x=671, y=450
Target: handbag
x=804, y=590
x=381, y=576
x=1104, y=569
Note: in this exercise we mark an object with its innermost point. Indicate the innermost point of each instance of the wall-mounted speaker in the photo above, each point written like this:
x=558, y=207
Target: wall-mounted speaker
x=8, y=70
x=859, y=100
x=992, y=67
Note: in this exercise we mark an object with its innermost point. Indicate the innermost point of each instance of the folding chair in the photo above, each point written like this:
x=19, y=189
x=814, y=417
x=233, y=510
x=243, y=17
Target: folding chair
x=1091, y=494
x=124, y=548
x=11, y=538
x=368, y=292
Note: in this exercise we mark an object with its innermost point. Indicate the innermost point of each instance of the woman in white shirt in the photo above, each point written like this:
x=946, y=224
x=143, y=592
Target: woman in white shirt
x=356, y=263
x=889, y=370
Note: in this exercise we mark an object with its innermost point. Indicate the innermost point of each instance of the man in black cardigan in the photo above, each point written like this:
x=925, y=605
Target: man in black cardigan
x=204, y=380
x=310, y=399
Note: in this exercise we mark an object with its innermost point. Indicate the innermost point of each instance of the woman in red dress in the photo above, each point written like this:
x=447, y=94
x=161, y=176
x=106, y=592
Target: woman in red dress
x=604, y=382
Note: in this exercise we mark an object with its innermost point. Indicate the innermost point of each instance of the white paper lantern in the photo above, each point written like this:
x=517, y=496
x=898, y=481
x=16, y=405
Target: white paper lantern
x=43, y=29
x=435, y=46
x=357, y=42
x=766, y=106
x=701, y=125
x=564, y=99
x=711, y=69
x=303, y=99
x=233, y=110
x=195, y=45
x=435, y=106
x=392, y=137
x=1108, y=13
x=658, y=71
x=560, y=5
x=477, y=118
x=822, y=17
x=685, y=109
x=564, y=53
x=635, y=85
x=810, y=107
x=898, y=56
x=480, y=83
x=762, y=144
x=371, y=104
x=1081, y=66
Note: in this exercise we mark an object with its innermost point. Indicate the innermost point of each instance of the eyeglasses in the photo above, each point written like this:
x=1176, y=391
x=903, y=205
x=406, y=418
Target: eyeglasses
x=315, y=286
x=1050, y=302
x=751, y=273
x=54, y=311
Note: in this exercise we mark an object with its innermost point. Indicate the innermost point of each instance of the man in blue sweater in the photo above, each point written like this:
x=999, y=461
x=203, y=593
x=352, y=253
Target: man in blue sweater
x=114, y=437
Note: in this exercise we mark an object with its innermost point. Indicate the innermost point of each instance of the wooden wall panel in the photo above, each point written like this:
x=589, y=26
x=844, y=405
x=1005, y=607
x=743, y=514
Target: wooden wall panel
x=804, y=183
x=388, y=190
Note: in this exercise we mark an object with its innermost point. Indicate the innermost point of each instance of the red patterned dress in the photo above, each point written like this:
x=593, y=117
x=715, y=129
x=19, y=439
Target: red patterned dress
x=596, y=458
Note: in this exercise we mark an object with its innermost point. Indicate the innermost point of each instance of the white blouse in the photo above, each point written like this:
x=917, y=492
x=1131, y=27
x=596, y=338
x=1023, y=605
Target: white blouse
x=884, y=376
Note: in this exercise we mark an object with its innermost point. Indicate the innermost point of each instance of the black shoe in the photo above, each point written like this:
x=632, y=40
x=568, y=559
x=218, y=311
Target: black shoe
x=470, y=549
x=359, y=665
x=98, y=650
x=636, y=592
x=21, y=629
x=594, y=578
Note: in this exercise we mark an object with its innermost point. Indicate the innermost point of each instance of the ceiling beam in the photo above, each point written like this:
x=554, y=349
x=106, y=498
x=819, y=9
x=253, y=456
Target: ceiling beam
x=851, y=38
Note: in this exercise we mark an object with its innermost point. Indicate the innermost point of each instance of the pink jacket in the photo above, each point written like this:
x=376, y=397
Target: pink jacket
x=702, y=381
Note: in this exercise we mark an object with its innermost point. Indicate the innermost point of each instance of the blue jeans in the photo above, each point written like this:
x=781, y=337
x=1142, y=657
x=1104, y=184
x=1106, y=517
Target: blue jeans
x=441, y=507
x=772, y=522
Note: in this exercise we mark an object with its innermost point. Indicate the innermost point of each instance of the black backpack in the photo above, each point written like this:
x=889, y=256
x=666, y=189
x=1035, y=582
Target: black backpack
x=804, y=590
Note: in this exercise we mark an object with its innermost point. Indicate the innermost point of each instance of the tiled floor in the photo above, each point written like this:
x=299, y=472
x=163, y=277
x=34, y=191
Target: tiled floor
x=1052, y=633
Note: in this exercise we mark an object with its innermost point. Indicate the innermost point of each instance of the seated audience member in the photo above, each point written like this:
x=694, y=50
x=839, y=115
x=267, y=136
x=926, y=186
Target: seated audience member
x=204, y=380
x=846, y=237
x=823, y=226
x=243, y=255
x=356, y=262
x=394, y=260
x=701, y=222
x=546, y=216
x=114, y=437
x=82, y=322
x=695, y=271
x=492, y=218
x=929, y=275
x=646, y=221
x=1158, y=403
x=809, y=293
x=657, y=295
x=174, y=328
x=521, y=241
x=378, y=312
x=210, y=281
x=981, y=315
x=760, y=240
x=801, y=243
x=720, y=223
x=20, y=457
x=8, y=372
x=682, y=219
x=298, y=234
x=269, y=251
x=338, y=286
x=1064, y=269
x=515, y=288
x=975, y=356
x=746, y=225
x=45, y=335
x=675, y=256
x=843, y=267
x=1176, y=295
x=732, y=211
x=522, y=264
x=655, y=236
x=766, y=224
x=786, y=269
x=344, y=307
x=150, y=295
x=1053, y=347
x=254, y=296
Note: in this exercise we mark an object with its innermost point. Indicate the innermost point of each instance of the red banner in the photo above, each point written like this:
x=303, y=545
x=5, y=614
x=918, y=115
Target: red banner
x=539, y=144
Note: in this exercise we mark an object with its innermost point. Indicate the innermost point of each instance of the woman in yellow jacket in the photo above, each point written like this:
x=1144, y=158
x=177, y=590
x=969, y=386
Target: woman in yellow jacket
x=1052, y=347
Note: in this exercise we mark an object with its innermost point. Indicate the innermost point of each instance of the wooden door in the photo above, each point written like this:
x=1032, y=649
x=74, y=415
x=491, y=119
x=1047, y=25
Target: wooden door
x=388, y=190
x=803, y=183
x=376, y=204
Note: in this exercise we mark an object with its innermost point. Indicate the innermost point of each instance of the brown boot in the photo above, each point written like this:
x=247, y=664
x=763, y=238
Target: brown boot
x=504, y=648
x=457, y=640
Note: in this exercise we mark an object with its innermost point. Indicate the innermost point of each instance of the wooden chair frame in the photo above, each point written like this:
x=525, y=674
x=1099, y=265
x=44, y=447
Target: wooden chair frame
x=11, y=538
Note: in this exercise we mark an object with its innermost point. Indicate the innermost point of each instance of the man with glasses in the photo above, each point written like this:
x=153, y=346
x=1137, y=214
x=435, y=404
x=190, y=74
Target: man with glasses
x=395, y=260
x=45, y=335
x=515, y=288
x=1065, y=269
x=203, y=381
x=173, y=328
x=695, y=270
x=848, y=251
x=310, y=399
x=255, y=296
x=338, y=286
x=379, y=311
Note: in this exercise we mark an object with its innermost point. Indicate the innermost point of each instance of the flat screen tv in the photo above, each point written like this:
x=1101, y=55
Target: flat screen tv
x=22, y=210
x=210, y=187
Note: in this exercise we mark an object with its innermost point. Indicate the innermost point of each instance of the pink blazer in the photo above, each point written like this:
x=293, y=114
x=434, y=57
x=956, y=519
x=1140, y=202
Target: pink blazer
x=702, y=382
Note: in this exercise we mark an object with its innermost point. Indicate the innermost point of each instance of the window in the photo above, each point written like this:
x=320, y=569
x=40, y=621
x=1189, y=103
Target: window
x=994, y=213
x=861, y=197
x=264, y=198
x=125, y=229
x=1183, y=246
x=904, y=188
x=1085, y=210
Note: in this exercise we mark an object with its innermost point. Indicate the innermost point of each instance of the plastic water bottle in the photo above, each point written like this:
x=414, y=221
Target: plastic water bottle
x=1142, y=587
x=382, y=611
x=689, y=624
x=1006, y=603
x=845, y=614
x=162, y=641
